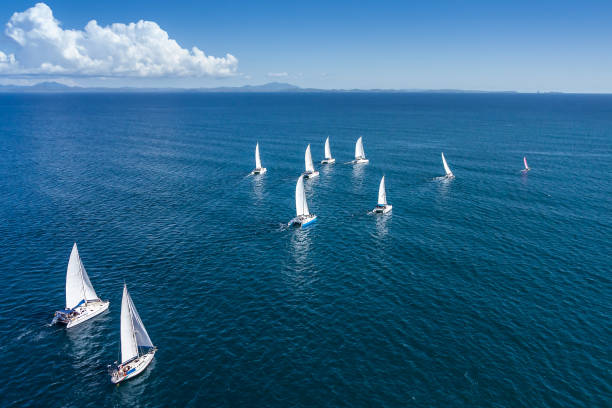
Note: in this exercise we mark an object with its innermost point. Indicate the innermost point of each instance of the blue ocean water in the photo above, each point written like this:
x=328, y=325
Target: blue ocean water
x=490, y=290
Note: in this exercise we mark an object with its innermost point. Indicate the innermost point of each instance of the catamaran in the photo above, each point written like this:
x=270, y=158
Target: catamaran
x=258, y=168
x=359, y=153
x=382, y=207
x=137, y=350
x=304, y=217
x=449, y=173
x=328, y=157
x=82, y=303
x=310, y=170
x=527, y=168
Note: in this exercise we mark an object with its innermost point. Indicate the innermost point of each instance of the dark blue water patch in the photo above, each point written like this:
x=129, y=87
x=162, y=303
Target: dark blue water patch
x=491, y=289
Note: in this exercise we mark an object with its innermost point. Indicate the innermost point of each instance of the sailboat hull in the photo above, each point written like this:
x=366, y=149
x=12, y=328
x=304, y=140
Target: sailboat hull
x=259, y=171
x=83, y=313
x=303, y=220
x=328, y=161
x=382, y=210
x=132, y=368
x=360, y=161
x=310, y=174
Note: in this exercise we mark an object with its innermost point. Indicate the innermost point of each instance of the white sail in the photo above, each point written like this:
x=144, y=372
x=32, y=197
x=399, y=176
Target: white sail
x=446, y=168
x=359, y=153
x=301, y=207
x=327, y=149
x=90, y=293
x=129, y=348
x=133, y=332
x=308, y=160
x=382, y=194
x=257, y=159
x=78, y=285
x=140, y=333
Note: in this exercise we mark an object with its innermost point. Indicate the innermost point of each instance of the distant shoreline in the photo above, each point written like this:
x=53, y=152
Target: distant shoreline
x=273, y=87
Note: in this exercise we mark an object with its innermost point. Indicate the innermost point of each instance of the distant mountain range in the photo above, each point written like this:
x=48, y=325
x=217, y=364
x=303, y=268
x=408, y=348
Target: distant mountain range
x=56, y=87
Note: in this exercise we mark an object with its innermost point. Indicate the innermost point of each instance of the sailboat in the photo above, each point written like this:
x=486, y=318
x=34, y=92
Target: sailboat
x=328, y=157
x=449, y=173
x=310, y=170
x=304, y=217
x=526, y=169
x=359, y=153
x=137, y=350
x=258, y=168
x=82, y=303
x=382, y=207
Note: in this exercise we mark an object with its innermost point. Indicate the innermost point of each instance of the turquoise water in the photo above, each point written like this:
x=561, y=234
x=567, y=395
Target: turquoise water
x=492, y=289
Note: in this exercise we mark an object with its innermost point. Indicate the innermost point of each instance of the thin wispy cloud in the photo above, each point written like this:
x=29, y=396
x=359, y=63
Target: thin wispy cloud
x=277, y=74
x=142, y=49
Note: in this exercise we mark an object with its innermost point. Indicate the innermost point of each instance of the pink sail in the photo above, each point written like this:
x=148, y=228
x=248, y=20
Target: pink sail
x=525, y=161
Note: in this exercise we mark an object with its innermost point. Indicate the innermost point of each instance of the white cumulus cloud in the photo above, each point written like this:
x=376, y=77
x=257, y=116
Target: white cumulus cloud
x=141, y=49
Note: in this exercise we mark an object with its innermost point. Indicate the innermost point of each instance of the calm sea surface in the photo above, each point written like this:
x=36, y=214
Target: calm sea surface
x=491, y=290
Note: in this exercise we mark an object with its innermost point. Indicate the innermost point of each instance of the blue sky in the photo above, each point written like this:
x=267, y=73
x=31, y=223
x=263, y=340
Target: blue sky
x=486, y=45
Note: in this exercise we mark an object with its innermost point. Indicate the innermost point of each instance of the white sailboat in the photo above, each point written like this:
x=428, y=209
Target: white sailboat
x=382, y=207
x=82, y=302
x=359, y=153
x=137, y=350
x=303, y=217
x=310, y=170
x=328, y=156
x=527, y=168
x=258, y=168
x=449, y=173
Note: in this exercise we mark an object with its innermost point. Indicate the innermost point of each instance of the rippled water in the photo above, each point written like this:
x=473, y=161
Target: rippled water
x=492, y=289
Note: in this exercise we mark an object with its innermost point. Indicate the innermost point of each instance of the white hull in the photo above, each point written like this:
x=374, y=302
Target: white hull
x=310, y=174
x=360, y=161
x=382, y=210
x=328, y=161
x=132, y=368
x=85, y=312
x=259, y=171
x=303, y=220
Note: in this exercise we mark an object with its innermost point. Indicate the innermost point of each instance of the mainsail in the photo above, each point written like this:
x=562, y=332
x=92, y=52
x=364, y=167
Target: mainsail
x=446, y=168
x=525, y=161
x=78, y=285
x=133, y=332
x=257, y=159
x=308, y=160
x=359, y=153
x=382, y=194
x=301, y=207
x=327, y=149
